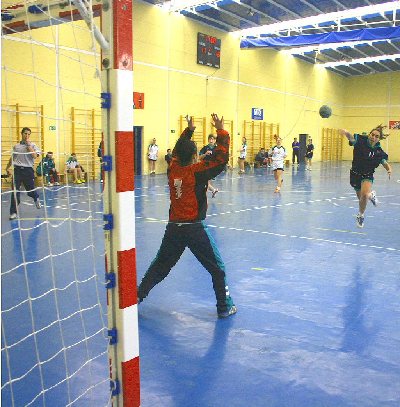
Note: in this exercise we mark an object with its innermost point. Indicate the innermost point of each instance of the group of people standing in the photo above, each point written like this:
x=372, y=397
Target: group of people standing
x=296, y=153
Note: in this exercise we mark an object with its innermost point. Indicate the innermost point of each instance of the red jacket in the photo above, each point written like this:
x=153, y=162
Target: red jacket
x=188, y=184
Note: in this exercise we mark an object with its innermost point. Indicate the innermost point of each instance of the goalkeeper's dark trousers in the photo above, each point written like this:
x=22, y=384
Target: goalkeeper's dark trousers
x=196, y=237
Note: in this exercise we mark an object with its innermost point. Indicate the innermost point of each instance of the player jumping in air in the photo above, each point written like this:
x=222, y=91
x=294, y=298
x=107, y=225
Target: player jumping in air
x=367, y=156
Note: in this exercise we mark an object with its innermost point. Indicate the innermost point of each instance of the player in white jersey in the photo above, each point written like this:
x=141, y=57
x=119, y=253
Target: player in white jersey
x=152, y=155
x=278, y=155
x=242, y=155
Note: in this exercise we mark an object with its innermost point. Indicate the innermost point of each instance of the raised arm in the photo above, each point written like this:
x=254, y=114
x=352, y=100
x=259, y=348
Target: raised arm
x=205, y=170
x=348, y=135
x=218, y=123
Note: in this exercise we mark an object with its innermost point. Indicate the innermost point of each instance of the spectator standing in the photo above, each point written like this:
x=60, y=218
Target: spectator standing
x=168, y=157
x=152, y=155
x=296, y=151
x=206, y=154
x=242, y=155
x=309, y=154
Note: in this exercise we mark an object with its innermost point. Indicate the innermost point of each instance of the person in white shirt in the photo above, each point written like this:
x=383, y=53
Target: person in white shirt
x=73, y=167
x=242, y=155
x=152, y=155
x=278, y=155
x=23, y=160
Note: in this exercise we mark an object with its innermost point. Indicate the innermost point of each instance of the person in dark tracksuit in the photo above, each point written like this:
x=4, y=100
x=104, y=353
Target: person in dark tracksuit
x=205, y=154
x=296, y=151
x=23, y=160
x=188, y=183
x=367, y=156
x=309, y=154
x=47, y=168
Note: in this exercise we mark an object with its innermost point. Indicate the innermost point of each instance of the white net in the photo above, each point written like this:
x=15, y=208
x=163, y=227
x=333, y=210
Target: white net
x=54, y=311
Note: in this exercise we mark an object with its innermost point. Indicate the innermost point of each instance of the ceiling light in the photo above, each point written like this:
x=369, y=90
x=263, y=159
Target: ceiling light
x=360, y=60
x=179, y=5
x=322, y=47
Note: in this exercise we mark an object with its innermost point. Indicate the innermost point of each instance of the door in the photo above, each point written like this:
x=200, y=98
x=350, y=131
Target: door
x=138, y=149
x=303, y=147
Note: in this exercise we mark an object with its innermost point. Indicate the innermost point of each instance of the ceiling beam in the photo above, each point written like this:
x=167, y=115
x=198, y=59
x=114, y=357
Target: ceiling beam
x=320, y=18
x=361, y=60
x=214, y=20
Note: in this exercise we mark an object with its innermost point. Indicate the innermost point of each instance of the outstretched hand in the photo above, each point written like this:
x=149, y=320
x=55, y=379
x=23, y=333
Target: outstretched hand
x=190, y=122
x=218, y=123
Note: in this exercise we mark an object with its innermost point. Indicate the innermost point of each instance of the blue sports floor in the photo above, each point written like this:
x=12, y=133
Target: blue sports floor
x=318, y=322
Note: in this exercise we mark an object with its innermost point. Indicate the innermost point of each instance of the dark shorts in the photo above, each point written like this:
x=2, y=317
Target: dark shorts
x=309, y=155
x=356, y=179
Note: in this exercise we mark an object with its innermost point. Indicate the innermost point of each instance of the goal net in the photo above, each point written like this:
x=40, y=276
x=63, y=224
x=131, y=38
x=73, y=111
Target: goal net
x=53, y=305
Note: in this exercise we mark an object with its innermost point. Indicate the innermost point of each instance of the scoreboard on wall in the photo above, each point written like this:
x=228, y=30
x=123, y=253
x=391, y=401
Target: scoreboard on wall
x=208, y=50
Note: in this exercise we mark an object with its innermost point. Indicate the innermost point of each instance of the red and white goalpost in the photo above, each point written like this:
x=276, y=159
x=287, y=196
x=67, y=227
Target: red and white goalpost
x=115, y=40
x=119, y=202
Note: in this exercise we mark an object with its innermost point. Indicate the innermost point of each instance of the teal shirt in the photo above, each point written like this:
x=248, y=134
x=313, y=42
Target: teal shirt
x=45, y=166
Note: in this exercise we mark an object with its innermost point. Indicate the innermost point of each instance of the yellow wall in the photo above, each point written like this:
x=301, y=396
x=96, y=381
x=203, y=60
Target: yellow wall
x=372, y=100
x=37, y=75
x=164, y=50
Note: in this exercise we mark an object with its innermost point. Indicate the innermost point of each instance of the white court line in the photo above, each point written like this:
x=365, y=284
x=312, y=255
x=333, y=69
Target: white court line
x=290, y=236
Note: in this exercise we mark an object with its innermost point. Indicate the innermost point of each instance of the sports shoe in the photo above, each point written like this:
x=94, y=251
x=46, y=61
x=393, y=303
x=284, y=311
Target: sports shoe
x=82, y=180
x=38, y=204
x=13, y=216
x=277, y=189
x=57, y=183
x=49, y=184
x=78, y=181
x=360, y=221
x=232, y=310
x=373, y=198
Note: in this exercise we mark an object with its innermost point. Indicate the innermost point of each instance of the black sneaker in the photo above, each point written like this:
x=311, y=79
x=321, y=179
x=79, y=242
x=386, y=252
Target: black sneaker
x=225, y=314
x=360, y=221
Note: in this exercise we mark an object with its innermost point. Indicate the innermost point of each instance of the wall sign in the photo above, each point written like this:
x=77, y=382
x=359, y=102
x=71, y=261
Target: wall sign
x=257, y=114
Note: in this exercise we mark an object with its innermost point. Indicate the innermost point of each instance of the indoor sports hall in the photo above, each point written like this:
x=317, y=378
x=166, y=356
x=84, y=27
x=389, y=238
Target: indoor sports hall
x=93, y=96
